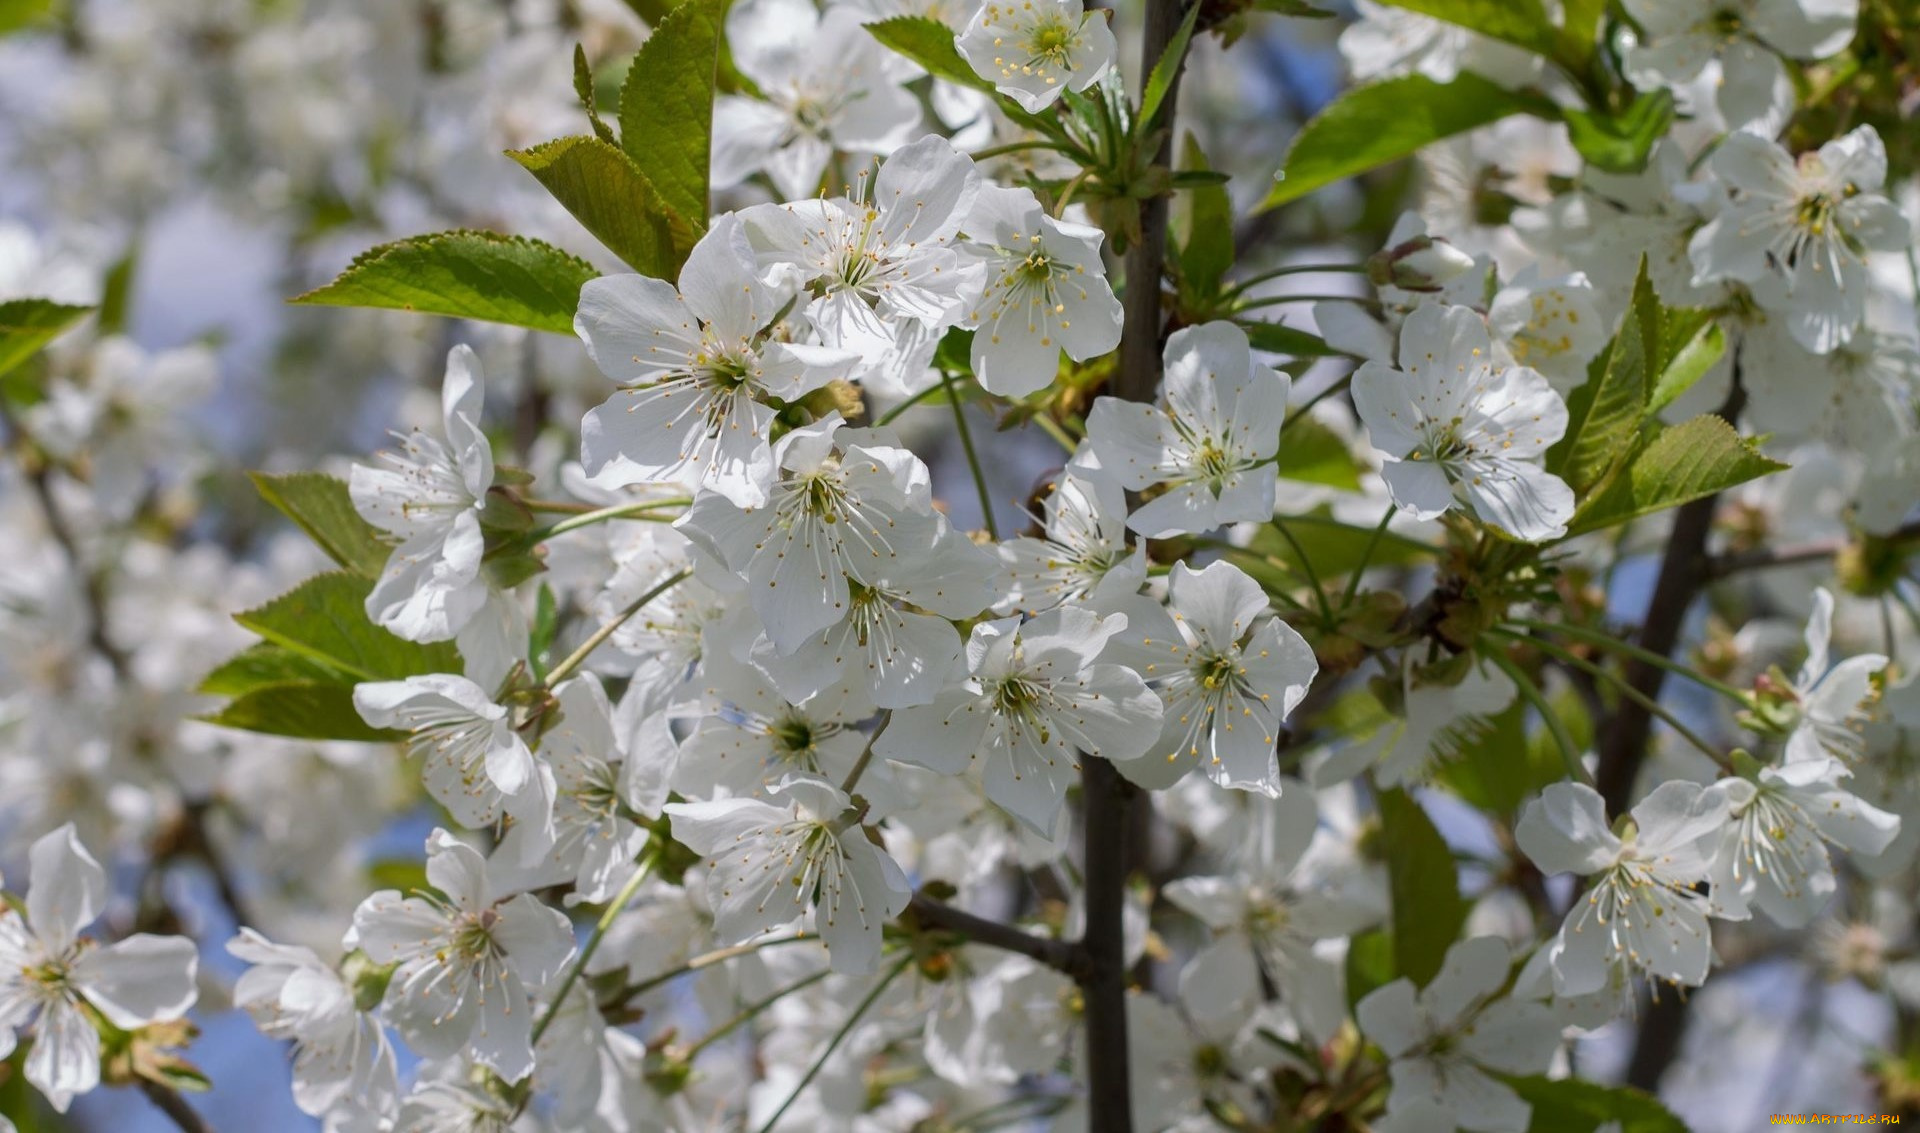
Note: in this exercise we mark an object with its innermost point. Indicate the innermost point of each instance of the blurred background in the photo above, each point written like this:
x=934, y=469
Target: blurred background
x=190, y=165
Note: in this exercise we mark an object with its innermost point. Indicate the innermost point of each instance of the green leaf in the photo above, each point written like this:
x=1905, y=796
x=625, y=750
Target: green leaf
x=1687, y=462
x=1571, y=1105
x=466, y=274
x=17, y=15
x=1281, y=339
x=325, y=620
x=264, y=664
x=583, y=89
x=666, y=107
x=1315, y=454
x=1292, y=8
x=27, y=325
x=1522, y=23
x=1605, y=412
x=609, y=195
x=540, y=635
x=929, y=43
x=1160, y=81
x=1503, y=765
x=1620, y=143
x=1427, y=909
x=116, y=292
x=1700, y=346
x=1372, y=125
x=1204, y=227
x=304, y=711
x=323, y=508
x=1369, y=964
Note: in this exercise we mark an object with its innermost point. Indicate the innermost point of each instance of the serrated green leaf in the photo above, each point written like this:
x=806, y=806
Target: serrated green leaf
x=1605, y=412
x=323, y=508
x=466, y=274
x=1427, y=909
x=1570, y=1105
x=609, y=195
x=1522, y=23
x=1160, y=80
x=1313, y=453
x=325, y=619
x=929, y=43
x=666, y=107
x=303, y=711
x=1203, y=223
x=1281, y=339
x=1702, y=345
x=264, y=664
x=1372, y=125
x=1621, y=143
x=1687, y=462
x=27, y=325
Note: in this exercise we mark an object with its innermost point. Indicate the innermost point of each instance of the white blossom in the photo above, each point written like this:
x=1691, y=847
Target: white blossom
x=343, y=1063
x=1457, y=427
x=1035, y=50
x=699, y=370
x=429, y=496
x=1774, y=855
x=1043, y=290
x=1449, y=1039
x=1641, y=911
x=1208, y=440
x=772, y=861
x=468, y=963
x=1035, y=701
x=1797, y=231
x=48, y=971
x=1226, y=673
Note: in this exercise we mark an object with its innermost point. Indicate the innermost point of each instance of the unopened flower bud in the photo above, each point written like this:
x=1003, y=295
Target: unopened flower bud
x=1424, y=263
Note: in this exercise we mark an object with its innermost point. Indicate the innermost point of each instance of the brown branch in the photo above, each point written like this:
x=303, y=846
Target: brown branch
x=175, y=1107
x=1795, y=554
x=1684, y=572
x=1057, y=954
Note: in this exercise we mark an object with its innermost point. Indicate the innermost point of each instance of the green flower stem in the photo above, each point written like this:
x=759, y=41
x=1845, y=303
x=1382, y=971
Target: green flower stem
x=833, y=1044
x=1366, y=558
x=575, y=659
x=1569, y=751
x=648, y=861
x=1628, y=648
x=748, y=1013
x=1648, y=703
x=1241, y=287
x=973, y=458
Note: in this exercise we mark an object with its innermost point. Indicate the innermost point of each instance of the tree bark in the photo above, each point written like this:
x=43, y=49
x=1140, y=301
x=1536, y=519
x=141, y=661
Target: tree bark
x=1107, y=799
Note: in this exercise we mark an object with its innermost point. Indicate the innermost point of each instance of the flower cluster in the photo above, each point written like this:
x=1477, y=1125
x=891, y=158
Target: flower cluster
x=908, y=601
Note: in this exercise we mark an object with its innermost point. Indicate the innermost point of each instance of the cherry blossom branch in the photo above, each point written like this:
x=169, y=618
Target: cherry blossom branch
x=1057, y=954
x=170, y=1102
x=579, y=656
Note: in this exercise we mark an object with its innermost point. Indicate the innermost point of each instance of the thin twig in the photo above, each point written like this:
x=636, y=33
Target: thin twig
x=170, y=1102
x=1056, y=954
